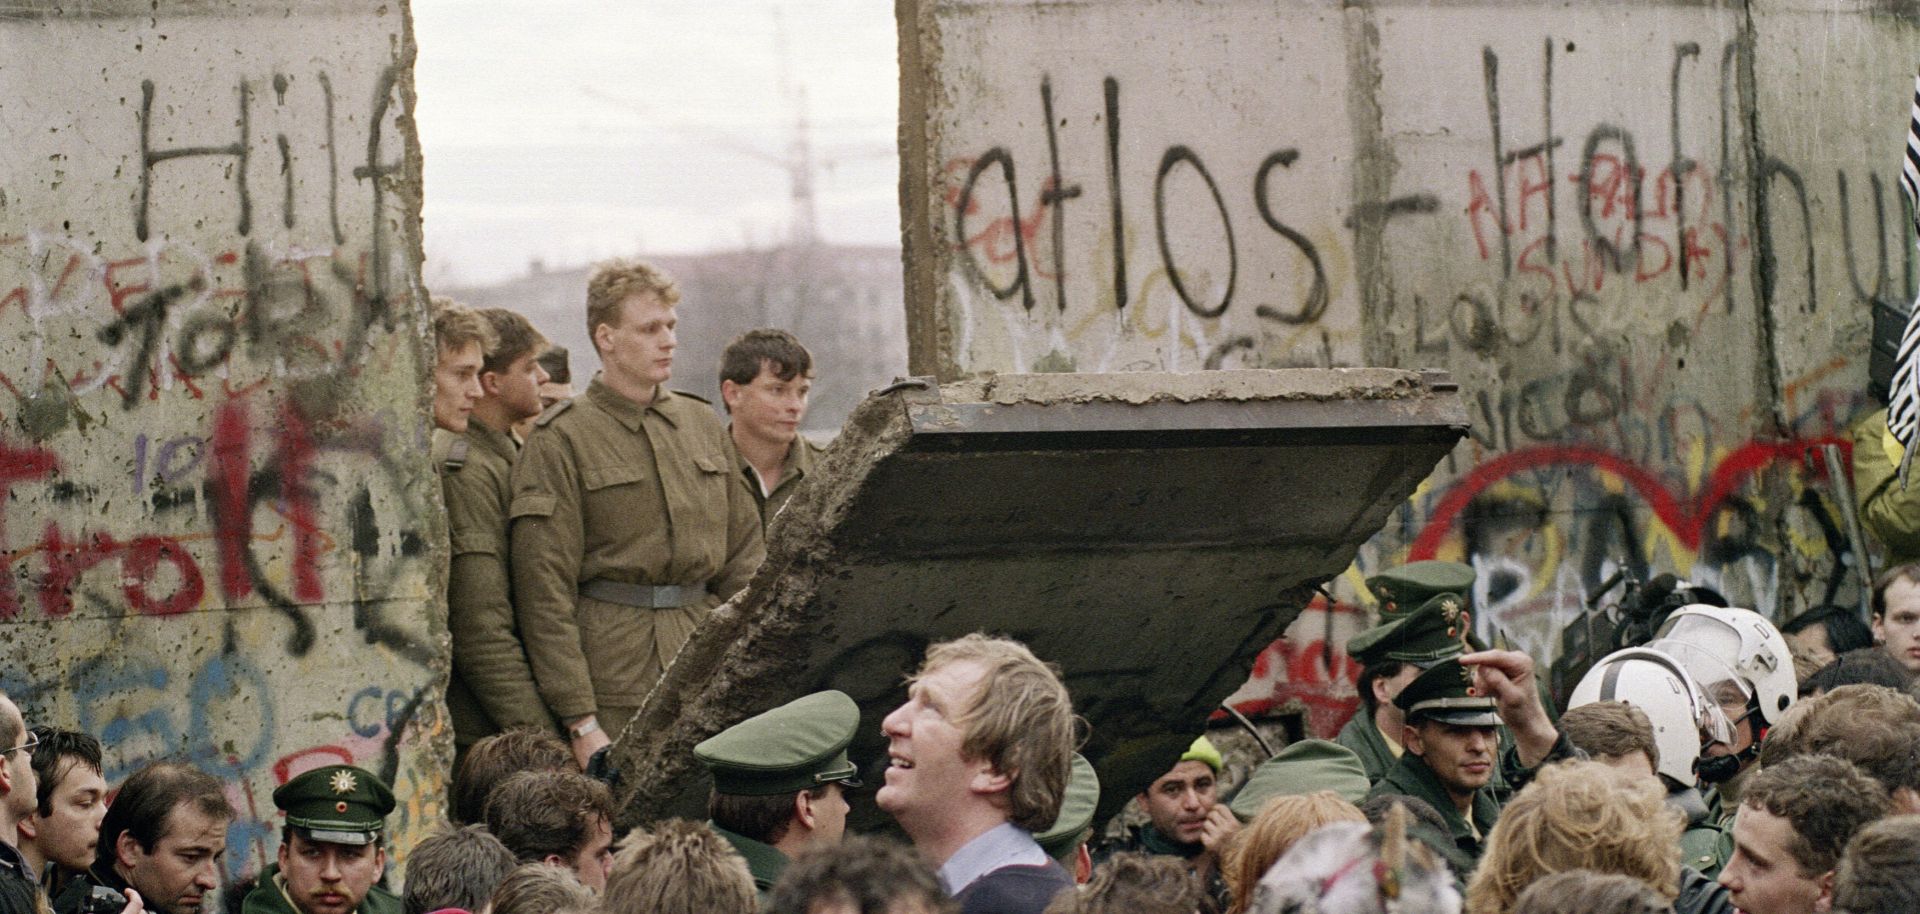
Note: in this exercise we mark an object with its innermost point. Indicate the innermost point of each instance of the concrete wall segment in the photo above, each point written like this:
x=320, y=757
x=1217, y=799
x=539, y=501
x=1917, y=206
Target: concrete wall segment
x=1642, y=237
x=222, y=538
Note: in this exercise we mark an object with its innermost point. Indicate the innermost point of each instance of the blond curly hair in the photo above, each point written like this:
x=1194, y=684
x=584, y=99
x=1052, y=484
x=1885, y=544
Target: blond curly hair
x=1579, y=815
x=615, y=281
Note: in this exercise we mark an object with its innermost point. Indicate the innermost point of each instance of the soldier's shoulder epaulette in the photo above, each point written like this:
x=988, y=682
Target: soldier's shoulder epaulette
x=559, y=406
x=682, y=393
x=456, y=455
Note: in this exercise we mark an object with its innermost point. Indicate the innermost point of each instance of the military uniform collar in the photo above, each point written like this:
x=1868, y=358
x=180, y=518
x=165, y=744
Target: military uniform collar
x=1484, y=811
x=631, y=414
x=764, y=861
x=483, y=436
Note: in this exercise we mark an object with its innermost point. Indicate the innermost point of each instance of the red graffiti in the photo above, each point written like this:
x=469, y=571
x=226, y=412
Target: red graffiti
x=1686, y=518
x=319, y=756
x=1307, y=671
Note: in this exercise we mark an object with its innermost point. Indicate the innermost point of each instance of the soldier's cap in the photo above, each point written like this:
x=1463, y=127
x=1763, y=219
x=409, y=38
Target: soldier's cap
x=337, y=804
x=1202, y=751
x=1406, y=588
x=1303, y=767
x=1428, y=635
x=797, y=746
x=1445, y=693
x=1076, y=811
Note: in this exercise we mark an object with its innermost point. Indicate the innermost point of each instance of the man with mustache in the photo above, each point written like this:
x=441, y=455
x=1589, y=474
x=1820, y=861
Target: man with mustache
x=330, y=850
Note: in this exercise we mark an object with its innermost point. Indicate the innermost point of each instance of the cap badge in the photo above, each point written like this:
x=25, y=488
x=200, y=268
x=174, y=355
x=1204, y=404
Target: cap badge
x=343, y=782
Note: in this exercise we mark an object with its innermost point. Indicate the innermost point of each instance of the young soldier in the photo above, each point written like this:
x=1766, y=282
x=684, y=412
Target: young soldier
x=765, y=376
x=628, y=527
x=491, y=687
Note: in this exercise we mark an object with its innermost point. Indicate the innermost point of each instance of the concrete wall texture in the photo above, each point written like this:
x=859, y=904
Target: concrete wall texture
x=1643, y=236
x=221, y=533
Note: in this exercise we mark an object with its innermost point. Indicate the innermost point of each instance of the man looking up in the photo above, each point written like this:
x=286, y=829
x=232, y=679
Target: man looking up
x=979, y=759
x=164, y=836
x=460, y=341
x=1795, y=820
x=19, y=891
x=628, y=527
x=779, y=781
x=765, y=377
x=330, y=850
x=491, y=687
x=60, y=837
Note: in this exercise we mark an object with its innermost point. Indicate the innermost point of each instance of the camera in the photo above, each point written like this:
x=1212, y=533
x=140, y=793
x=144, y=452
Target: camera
x=103, y=900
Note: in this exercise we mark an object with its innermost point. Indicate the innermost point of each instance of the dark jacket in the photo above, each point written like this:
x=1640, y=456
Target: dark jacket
x=1411, y=777
x=1015, y=890
x=1365, y=740
x=1700, y=895
x=19, y=890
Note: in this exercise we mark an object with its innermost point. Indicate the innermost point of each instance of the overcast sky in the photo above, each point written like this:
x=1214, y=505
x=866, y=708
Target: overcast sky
x=571, y=130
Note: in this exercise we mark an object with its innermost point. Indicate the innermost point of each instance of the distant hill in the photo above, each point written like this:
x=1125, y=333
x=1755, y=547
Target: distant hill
x=847, y=304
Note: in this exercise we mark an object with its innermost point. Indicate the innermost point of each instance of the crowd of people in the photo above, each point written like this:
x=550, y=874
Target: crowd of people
x=1714, y=762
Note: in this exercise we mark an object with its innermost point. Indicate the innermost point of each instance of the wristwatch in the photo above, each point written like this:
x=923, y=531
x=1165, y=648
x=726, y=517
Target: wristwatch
x=590, y=725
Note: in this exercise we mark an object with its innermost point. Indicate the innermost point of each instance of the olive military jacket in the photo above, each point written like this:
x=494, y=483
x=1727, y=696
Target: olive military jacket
x=491, y=687
x=1365, y=740
x=269, y=896
x=608, y=489
x=1410, y=776
x=799, y=465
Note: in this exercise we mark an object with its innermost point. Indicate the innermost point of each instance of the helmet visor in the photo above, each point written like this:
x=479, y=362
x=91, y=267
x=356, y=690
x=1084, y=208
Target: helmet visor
x=1726, y=691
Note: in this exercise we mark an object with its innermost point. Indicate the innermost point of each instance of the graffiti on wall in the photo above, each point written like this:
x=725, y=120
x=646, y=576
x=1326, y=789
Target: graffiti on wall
x=216, y=515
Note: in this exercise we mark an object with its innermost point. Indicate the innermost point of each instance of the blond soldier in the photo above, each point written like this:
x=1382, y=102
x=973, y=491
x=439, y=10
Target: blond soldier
x=627, y=525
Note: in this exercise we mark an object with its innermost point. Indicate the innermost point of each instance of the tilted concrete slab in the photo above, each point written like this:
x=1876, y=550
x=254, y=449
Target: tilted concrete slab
x=1148, y=532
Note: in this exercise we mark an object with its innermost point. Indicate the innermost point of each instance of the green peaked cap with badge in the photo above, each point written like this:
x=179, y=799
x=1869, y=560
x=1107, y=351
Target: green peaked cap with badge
x=1406, y=588
x=1303, y=767
x=1076, y=811
x=1434, y=632
x=337, y=804
x=1445, y=692
x=797, y=746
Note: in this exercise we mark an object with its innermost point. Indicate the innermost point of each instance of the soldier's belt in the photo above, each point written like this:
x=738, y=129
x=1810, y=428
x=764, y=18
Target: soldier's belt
x=644, y=596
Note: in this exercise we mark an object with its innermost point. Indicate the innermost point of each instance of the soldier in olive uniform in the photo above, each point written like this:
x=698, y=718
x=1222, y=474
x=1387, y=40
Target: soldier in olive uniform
x=779, y=781
x=1066, y=839
x=628, y=526
x=765, y=377
x=1392, y=655
x=491, y=687
x=330, y=850
x=1454, y=711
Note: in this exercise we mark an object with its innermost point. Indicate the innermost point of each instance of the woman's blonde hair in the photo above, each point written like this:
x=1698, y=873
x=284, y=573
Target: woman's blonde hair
x=1579, y=816
x=1280, y=823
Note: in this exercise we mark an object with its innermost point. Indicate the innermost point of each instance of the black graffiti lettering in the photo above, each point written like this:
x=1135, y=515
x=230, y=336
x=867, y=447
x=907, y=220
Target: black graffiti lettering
x=1611, y=255
x=1490, y=75
x=1681, y=167
x=1883, y=274
x=999, y=156
x=147, y=318
x=1057, y=193
x=151, y=157
x=1112, y=88
x=1176, y=155
x=1218, y=356
x=379, y=307
x=205, y=340
x=1316, y=303
x=333, y=162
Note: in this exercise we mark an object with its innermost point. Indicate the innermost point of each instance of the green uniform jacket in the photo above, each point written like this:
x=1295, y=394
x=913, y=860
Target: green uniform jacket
x=764, y=861
x=491, y=687
x=1890, y=513
x=799, y=464
x=268, y=897
x=1365, y=740
x=609, y=489
x=1411, y=776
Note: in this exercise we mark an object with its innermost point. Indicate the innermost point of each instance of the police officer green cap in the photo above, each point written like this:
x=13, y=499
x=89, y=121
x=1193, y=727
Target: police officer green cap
x=1406, y=588
x=1445, y=692
x=1303, y=767
x=1434, y=632
x=338, y=804
x=797, y=746
x=1076, y=811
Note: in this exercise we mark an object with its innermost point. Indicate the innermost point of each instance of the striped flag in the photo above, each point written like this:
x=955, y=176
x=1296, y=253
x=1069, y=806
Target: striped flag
x=1903, y=406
